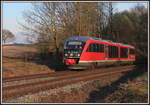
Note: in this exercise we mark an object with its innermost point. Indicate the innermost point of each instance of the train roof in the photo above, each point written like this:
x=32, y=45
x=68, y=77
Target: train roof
x=85, y=38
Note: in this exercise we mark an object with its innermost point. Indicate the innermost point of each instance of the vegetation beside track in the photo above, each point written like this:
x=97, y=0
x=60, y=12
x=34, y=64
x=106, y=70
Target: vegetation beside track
x=132, y=87
x=129, y=88
x=135, y=91
x=22, y=60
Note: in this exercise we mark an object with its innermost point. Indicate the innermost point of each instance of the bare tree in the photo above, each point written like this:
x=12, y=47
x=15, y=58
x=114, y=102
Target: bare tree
x=7, y=36
x=42, y=24
x=51, y=23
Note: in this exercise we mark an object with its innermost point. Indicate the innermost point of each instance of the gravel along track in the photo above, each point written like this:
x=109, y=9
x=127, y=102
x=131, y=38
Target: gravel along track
x=30, y=87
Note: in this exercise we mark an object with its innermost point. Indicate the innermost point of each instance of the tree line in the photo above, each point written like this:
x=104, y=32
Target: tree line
x=7, y=36
x=50, y=24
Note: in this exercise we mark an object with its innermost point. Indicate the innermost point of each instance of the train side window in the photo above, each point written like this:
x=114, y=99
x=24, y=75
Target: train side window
x=123, y=52
x=109, y=51
x=95, y=47
x=113, y=52
x=131, y=51
x=100, y=48
x=90, y=48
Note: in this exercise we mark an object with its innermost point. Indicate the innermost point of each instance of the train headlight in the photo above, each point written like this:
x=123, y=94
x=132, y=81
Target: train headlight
x=71, y=54
x=78, y=55
x=66, y=54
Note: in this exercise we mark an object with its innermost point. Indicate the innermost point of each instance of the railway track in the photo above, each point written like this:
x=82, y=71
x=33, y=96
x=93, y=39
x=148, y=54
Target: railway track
x=29, y=77
x=13, y=88
x=11, y=79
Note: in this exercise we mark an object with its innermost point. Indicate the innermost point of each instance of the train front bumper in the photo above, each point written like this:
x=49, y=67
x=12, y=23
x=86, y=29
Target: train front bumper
x=79, y=66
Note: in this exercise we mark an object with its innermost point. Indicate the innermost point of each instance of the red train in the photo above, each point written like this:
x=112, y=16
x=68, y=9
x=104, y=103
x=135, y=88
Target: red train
x=81, y=52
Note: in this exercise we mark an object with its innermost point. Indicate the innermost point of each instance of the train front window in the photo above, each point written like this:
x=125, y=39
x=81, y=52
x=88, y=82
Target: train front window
x=73, y=48
x=75, y=45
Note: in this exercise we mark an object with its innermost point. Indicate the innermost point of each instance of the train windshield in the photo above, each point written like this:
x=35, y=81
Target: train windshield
x=74, y=46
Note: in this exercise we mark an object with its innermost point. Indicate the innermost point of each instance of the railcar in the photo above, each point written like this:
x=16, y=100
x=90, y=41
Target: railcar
x=81, y=52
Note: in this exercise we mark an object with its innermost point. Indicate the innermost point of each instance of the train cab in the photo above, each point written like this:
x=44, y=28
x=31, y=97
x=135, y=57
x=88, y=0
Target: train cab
x=72, y=51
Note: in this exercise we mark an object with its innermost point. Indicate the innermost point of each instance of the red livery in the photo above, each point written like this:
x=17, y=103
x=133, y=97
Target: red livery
x=81, y=52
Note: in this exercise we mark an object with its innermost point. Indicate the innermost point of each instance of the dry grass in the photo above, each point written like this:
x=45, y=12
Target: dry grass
x=135, y=91
x=14, y=51
x=15, y=63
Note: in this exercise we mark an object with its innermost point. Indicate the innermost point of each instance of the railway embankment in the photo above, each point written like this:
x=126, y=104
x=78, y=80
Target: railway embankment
x=132, y=87
x=85, y=87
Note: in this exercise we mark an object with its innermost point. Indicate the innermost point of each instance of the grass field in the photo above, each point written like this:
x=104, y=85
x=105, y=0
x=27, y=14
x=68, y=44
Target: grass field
x=15, y=61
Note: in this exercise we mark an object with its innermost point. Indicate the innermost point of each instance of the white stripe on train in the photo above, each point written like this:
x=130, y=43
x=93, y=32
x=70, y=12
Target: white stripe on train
x=103, y=61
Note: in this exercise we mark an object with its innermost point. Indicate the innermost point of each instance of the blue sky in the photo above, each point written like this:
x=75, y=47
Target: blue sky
x=12, y=15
